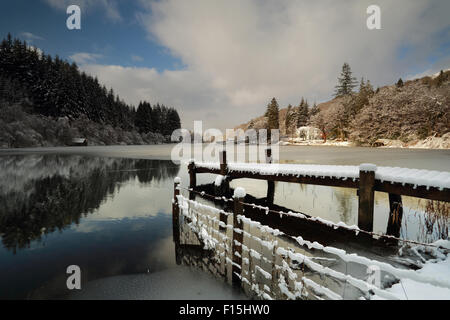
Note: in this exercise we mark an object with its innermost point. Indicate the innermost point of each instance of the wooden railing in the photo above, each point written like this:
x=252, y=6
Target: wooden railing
x=366, y=185
x=271, y=272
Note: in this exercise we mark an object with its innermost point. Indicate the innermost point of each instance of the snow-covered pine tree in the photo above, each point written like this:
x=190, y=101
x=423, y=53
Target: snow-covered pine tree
x=288, y=120
x=346, y=82
x=302, y=116
x=143, y=120
x=56, y=88
x=314, y=110
x=272, y=115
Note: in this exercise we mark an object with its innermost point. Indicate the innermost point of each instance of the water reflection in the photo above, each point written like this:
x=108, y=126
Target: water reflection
x=42, y=194
x=109, y=216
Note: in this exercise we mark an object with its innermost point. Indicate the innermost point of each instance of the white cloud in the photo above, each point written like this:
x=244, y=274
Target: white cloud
x=82, y=58
x=110, y=7
x=30, y=37
x=240, y=54
x=191, y=95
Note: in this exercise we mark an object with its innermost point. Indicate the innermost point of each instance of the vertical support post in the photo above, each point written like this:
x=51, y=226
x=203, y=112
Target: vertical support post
x=176, y=212
x=223, y=162
x=289, y=282
x=238, y=236
x=178, y=253
x=225, y=187
x=192, y=179
x=395, y=215
x=366, y=195
x=270, y=184
x=274, y=283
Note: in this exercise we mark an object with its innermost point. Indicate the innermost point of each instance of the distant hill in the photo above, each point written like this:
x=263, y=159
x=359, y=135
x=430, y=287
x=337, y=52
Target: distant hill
x=413, y=110
x=260, y=122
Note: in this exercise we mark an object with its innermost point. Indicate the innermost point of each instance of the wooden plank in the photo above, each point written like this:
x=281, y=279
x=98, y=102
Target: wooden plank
x=192, y=179
x=366, y=198
x=239, y=237
x=207, y=170
x=409, y=190
x=223, y=163
x=395, y=215
x=270, y=183
x=326, y=181
x=309, y=230
x=192, y=175
x=388, y=187
x=176, y=214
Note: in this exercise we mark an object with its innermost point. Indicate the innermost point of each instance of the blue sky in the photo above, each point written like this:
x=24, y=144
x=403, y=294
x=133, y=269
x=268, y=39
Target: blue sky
x=114, y=42
x=222, y=61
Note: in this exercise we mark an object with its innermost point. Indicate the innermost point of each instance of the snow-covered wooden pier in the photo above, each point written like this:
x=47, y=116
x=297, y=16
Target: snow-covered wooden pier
x=366, y=179
x=267, y=263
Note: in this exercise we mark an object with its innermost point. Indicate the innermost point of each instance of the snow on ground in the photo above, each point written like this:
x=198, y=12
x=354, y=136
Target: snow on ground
x=411, y=290
x=433, y=143
x=416, y=177
x=301, y=142
x=428, y=143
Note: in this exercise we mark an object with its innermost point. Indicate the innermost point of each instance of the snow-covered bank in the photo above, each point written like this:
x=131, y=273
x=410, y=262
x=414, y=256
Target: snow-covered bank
x=428, y=143
x=408, y=289
x=19, y=129
x=300, y=142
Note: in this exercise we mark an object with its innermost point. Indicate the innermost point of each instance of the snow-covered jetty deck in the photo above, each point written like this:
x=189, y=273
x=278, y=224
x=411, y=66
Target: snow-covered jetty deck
x=366, y=178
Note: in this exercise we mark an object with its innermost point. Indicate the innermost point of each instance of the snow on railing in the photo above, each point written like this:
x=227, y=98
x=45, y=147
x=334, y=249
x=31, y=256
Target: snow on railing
x=193, y=210
x=342, y=225
x=442, y=245
x=415, y=177
x=342, y=254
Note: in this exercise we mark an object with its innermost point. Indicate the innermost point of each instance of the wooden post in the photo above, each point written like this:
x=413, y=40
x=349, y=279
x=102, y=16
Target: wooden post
x=192, y=179
x=395, y=215
x=274, y=283
x=270, y=184
x=176, y=212
x=225, y=187
x=237, y=237
x=178, y=252
x=223, y=162
x=366, y=195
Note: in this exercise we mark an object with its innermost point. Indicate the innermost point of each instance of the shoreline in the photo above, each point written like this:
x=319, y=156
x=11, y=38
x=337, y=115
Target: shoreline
x=427, y=144
x=329, y=143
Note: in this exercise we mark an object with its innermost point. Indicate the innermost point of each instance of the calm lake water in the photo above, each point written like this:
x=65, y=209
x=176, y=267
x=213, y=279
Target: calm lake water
x=108, y=210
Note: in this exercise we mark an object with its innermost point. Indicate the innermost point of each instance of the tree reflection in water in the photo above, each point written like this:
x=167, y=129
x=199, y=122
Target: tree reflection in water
x=42, y=194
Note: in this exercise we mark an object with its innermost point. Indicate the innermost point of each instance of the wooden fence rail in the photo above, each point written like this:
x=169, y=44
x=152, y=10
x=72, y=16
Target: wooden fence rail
x=365, y=184
x=273, y=273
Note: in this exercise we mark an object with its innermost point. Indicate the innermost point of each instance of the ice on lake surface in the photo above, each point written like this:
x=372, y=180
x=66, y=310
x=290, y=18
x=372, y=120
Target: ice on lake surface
x=180, y=283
